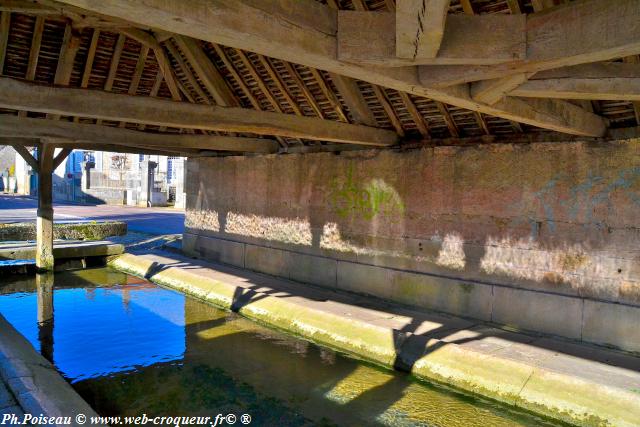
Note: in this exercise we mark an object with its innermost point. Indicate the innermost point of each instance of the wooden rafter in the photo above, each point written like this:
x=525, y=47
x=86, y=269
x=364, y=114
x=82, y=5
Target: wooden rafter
x=209, y=75
x=328, y=94
x=246, y=62
x=388, y=108
x=34, y=52
x=5, y=23
x=66, y=58
x=310, y=41
x=279, y=84
x=186, y=71
x=303, y=89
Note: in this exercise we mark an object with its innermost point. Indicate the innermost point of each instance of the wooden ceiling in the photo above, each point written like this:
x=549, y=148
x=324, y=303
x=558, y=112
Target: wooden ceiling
x=107, y=54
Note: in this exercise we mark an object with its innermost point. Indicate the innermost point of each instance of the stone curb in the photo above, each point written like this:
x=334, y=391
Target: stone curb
x=559, y=396
x=86, y=230
x=35, y=384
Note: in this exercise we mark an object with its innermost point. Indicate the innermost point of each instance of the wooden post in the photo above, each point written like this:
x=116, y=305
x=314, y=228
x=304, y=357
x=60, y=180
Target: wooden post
x=44, y=288
x=44, y=224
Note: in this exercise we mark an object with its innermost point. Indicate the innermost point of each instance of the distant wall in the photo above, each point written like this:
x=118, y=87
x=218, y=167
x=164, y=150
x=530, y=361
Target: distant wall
x=543, y=237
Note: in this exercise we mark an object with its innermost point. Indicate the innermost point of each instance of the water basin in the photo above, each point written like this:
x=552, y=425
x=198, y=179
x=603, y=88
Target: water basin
x=130, y=347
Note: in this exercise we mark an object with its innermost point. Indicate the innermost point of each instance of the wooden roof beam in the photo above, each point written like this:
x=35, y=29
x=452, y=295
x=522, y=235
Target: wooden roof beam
x=614, y=81
x=575, y=33
x=370, y=38
x=209, y=75
x=420, y=27
x=14, y=126
x=110, y=106
x=304, y=32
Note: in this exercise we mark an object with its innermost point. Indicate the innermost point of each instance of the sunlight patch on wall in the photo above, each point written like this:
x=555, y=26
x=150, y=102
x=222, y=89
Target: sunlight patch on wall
x=525, y=259
x=295, y=231
x=202, y=220
x=451, y=253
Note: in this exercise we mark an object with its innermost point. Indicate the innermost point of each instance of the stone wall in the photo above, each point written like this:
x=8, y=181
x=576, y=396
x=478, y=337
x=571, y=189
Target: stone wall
x=544, y=237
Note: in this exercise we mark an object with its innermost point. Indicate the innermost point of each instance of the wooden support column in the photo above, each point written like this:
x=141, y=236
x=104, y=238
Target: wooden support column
x=44, y=222
x=44, y=289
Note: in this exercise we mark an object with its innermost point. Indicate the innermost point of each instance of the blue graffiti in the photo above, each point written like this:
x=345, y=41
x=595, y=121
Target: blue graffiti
x=587, y=196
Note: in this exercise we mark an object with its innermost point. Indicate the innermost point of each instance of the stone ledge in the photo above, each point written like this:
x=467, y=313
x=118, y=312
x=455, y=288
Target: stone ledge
x=35, y=384
x=519, y=374
x=64, y=231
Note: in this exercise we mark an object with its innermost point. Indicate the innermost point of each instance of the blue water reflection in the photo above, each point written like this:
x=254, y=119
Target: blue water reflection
x=137, y=325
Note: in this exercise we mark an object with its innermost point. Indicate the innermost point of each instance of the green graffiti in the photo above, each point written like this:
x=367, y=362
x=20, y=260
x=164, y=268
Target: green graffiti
x=348, y=198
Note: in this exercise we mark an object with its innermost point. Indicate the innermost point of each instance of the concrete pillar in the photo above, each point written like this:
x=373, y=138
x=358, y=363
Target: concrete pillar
x=86, y=174
x=147, y=174
x=44, y=289
x=44, y=223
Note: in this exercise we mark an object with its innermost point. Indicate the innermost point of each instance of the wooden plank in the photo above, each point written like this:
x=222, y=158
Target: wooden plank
x=161, y=57
x=186, y=70
x=613, y=89
x=368, y=38
x=34, y=52
x=451, y=124
x=113, y=67
x=352, y=97
x=419, y=27
x=599, y=81
x=304, y=89
x=70, y=133
x=279, y=84
x=91, y=54
x=27, y=156
x=415, y=115
x=60, y=157
x=68, y=51
x=395, y=122
x=115, y=61
x=635, y=59
x=492, y=91
x=66, y=58
x=304, y=32
x=349, y=90
x=467, y=7
x=209, y=75
x=5, y=24
x=328, y=93
x=117, y=107
x=137, y=74
x=576, y=33
x=514, y=6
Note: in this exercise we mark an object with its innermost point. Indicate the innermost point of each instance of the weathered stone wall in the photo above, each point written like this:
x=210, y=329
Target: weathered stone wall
x=543, y=236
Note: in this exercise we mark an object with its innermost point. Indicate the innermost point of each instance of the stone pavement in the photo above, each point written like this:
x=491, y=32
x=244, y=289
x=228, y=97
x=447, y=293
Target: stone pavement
x=575, y=382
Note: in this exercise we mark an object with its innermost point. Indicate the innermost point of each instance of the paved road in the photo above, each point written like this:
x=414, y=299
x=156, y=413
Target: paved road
x=144, y=220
